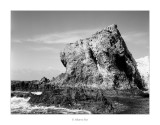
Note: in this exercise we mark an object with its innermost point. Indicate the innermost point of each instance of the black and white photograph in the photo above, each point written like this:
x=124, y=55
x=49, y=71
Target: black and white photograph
x=80, y=62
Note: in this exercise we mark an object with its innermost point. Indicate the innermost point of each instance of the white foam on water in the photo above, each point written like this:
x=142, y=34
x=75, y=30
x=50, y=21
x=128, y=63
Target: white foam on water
x=21, y=105
x=143, y=67
x=36, y=93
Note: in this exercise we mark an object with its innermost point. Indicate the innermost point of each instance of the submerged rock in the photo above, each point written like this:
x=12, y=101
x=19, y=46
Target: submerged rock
x=103, y=60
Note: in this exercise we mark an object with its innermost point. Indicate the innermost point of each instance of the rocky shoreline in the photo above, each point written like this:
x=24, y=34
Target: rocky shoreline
x=97, y=101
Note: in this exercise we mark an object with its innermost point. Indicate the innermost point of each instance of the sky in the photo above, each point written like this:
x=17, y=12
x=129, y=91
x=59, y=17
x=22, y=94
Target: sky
x=37, y=37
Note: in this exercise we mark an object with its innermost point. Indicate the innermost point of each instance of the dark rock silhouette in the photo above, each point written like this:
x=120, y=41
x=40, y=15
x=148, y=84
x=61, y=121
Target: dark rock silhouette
x=53, y=79
x=44, y=80
x=103, y=60
x=34, y=85
x=25, y=85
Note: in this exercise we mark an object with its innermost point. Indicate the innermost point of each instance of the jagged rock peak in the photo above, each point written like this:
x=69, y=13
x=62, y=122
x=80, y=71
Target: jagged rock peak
x=44, y=80
x=101, y=60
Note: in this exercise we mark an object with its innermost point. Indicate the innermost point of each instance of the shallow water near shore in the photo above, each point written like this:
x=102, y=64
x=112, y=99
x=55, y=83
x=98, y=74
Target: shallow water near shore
x=20, y=105
x=134, y=105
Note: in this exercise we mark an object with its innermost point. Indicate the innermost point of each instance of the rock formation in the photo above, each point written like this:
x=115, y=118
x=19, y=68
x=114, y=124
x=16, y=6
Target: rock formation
x=103, y=60
x=34, y=85
x=44, y=80
x=25, y=85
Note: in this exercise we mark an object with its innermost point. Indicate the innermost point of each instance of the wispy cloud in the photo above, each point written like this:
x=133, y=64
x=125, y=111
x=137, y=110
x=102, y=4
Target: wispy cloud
x=72, y=36
x=136, y=38
x=35, y=74
x=51, y=49
x=17, y=41
x=64, y=37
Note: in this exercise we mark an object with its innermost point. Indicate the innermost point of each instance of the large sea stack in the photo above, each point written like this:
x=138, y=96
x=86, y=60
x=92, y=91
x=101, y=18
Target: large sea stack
x=102, y=60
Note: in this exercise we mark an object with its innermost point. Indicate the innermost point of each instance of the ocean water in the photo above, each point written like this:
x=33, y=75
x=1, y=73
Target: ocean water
x=20, y=105
x=122, y=105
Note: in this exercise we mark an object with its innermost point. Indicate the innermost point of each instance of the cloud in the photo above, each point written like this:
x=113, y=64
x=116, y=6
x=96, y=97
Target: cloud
x=63, y=37
x=34, y=74
x=51, y=68
x=136, y=38
x=51, y=49
x=72, y=36
x=16, y=41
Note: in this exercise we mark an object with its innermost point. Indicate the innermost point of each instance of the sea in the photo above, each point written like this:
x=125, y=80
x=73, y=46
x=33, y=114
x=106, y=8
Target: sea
x=128, y=105
x=20, y=105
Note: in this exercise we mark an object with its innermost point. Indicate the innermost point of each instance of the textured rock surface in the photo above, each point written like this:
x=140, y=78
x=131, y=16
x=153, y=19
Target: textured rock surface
x=44, y=80
x=102, y=60
x=25, y=85
x=34, y=85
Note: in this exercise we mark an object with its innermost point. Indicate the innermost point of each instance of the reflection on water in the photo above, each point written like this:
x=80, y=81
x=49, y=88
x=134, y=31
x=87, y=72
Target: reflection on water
x=21, y=106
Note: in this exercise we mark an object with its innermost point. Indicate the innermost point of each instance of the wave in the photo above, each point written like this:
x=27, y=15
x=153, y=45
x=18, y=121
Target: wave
x=21, y=106
x=36, y=93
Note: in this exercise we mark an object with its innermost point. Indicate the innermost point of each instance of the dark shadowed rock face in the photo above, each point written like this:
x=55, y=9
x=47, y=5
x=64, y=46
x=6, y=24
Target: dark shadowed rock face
x=34, y=85
x=103, y=60
x=44, y=80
